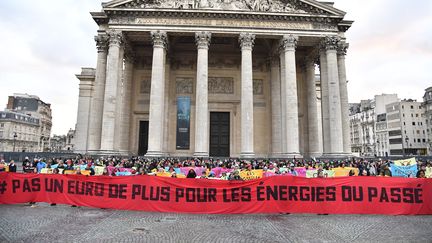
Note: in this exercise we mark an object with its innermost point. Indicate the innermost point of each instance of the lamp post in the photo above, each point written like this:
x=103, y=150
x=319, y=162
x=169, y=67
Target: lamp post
x=14, y=137
x=378, y=148
x=406, y=141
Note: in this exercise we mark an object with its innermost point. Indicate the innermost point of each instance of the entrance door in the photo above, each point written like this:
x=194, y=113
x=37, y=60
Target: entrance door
x=219, y=134
x=143, y=138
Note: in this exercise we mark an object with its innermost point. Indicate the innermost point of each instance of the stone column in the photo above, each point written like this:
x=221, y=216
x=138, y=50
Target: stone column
x=342, y=49
x=247, y=127
x=201, y=101
x=95, y=123
x=324, y=102
x=335, y=116
x=126, y=97
x=86, y=78
x=118, y=121
x=111, y=86
x=276, y=108
x=312, y=109
x=283, y=101
x=289, y=43
x=157, y=91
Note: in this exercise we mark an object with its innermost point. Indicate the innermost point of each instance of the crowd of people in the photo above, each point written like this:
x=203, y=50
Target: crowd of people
x=228, y=169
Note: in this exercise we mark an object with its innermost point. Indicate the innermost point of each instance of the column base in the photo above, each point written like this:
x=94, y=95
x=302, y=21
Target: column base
x=106, y=153
x=247, y=155
x=201, y=154
x=334, y=155
x=276, y=155
x=155, y=154
x=292, y=156
x=315, y=155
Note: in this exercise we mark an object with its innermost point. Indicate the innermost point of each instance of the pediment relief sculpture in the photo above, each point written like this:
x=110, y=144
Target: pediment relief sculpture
x=289, y=6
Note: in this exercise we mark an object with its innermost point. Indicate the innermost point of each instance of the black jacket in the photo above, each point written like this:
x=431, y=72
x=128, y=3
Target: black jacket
x=12, y=168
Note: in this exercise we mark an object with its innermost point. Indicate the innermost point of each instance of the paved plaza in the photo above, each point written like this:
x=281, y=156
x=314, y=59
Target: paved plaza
x=61, y=223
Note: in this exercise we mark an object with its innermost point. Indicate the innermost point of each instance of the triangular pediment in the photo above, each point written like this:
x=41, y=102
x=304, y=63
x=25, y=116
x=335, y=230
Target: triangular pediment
x=270, y=6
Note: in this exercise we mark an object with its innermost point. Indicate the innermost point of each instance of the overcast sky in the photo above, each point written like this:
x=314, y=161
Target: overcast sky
x=43, y=44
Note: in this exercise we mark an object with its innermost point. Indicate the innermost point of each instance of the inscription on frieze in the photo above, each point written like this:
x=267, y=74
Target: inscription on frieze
x=258, y=88
x=172, y=21
x=184, y=85
x=145, y=86
x=222, y=22
x=220, y=85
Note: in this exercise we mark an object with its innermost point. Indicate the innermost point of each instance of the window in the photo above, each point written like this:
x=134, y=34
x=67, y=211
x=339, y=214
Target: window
x=418, y=131
x=412, y=107
x=1, y=124
x=404, y=123
x=418, y=140
x=395, y=141
x=412, y=115
x=424, y=140
x=413, y=123
x=416, y=115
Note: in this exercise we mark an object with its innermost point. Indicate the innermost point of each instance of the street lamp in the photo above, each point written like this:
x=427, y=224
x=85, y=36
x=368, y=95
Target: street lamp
x=378, y=148
x=14, y=136
x=406, y=141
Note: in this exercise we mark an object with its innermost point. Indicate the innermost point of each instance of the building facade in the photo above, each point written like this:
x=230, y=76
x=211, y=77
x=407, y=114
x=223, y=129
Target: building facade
x=427, y=108
x=19, y=132
x=368, y=126
x=406, y=128
x=26, y=122
x=216, y=78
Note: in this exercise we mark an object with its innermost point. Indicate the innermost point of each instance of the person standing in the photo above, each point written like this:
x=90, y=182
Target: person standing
x=12, y=166
x=28, y=166
x=40, y=165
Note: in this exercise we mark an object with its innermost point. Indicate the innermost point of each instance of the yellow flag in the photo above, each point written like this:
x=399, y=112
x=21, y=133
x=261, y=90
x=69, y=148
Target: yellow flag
x=163, y=174
x=405, y=162
x=251, y=174
x=85, y=172
x=344, y=171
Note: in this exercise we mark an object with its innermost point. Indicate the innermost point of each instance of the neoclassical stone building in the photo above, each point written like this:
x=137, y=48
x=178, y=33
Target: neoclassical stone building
x=216, y=78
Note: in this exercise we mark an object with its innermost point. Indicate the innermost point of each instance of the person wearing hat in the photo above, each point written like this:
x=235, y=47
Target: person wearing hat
x=292, y=170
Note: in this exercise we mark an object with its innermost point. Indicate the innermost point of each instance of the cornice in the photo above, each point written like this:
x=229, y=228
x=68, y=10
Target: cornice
x=103, y=17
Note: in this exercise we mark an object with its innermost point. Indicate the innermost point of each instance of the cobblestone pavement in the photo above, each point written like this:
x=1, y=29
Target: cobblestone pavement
x=44, y=223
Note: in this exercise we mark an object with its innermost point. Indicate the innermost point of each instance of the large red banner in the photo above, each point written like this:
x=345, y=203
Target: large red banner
x=277, y=194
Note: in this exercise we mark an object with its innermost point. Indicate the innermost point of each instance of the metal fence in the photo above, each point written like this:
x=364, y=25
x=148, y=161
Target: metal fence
x=19, y=156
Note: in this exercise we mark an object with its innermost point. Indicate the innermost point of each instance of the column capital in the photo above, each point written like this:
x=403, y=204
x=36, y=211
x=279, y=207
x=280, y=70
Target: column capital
x=330, y=43
x=101, y=42
x=342, y=48
x=288, y=42
x=115, y=37
x=202, y=39
x=159, y=38
x=246, y=40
